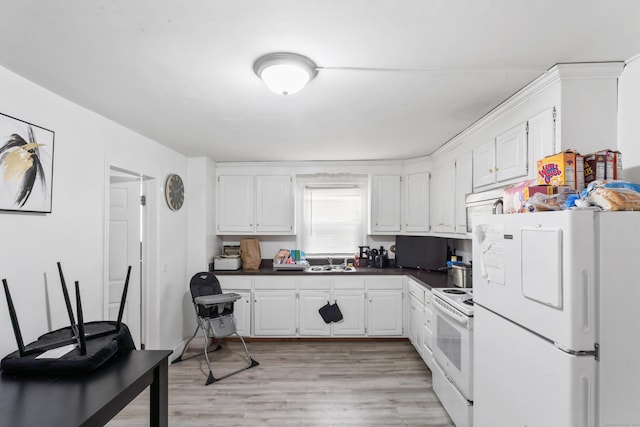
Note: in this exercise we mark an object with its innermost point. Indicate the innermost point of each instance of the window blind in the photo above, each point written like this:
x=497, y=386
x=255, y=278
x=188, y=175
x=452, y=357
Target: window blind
x=332, y=220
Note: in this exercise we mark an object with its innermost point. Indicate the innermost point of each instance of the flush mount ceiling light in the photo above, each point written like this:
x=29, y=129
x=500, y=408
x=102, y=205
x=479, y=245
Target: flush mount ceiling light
x=285, y=73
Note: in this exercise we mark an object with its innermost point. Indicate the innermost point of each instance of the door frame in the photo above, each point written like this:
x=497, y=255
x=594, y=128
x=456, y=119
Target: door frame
x=149, y=332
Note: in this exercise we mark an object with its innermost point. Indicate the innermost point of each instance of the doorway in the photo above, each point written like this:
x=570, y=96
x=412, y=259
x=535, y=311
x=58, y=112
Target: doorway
x=126, y=247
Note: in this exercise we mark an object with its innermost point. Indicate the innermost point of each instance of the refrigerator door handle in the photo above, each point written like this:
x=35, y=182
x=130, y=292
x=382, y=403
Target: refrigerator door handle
x=595, y=352
x=587, y=402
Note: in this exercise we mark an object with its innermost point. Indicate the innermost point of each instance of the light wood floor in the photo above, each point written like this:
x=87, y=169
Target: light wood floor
x=301, y=383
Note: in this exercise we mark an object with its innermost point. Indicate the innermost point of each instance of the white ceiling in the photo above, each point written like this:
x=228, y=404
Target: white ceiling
x=180, y=72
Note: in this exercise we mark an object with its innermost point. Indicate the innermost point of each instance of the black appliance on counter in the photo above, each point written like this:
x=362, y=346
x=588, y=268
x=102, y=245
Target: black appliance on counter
x=424, y=252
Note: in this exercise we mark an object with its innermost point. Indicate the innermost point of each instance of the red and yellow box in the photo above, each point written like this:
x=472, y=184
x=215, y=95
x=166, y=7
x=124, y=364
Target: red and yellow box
x=535, y=189
x=565, y=168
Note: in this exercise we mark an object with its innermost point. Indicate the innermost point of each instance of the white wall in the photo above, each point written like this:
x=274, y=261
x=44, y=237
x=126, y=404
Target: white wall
x=86, y=144
x=628, y=119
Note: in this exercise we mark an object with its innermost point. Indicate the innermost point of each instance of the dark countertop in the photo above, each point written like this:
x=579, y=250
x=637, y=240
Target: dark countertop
x=429, y=279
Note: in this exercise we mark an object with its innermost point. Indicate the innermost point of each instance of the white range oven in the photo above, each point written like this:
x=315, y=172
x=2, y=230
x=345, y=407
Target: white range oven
x=453, y=352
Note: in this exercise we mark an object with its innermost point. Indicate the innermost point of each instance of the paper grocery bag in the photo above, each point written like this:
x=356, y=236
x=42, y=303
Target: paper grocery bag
x=250, y=254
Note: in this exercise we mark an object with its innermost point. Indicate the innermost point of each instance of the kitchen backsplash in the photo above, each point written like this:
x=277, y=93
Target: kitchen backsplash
x=270, y=245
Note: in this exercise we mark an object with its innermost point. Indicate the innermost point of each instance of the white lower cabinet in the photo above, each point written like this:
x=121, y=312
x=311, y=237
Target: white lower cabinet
x=242, y=313
x=427, y=333
x=384, y=313
x=420, y=320
x=385, y=301
x=274, y=313
x=275, y=308
x=288, y=306
x=416, y=323
x=311, y=323
x=345, y=291
x=240, y=285
x=351, y=303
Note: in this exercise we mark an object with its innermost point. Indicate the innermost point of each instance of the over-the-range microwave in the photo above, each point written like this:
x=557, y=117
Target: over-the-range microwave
x=483, y=203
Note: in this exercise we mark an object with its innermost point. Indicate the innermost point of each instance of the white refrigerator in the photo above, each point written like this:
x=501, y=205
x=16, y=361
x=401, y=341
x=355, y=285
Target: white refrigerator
x=557, y=319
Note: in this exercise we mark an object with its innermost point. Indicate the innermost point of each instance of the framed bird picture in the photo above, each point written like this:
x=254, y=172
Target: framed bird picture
x=26, y=166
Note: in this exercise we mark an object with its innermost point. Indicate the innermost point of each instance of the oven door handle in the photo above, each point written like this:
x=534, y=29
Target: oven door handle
x=449, y=312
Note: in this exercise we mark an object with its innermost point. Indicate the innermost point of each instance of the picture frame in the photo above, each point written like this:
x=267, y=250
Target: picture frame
x=26, y=166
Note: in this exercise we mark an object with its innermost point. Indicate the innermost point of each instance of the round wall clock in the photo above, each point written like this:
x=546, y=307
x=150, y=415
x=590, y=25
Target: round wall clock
x=174, y=192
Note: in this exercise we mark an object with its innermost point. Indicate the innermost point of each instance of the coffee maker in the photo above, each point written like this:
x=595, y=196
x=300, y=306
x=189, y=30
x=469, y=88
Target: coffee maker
x=364, y=255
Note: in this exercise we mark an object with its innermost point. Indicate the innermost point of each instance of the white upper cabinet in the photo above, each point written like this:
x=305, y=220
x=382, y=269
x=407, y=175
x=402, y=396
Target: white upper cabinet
x=501, y=158
x=511, y=154
x=236, y=204
x=274, y=207
x=484, y=160
x=443, y=199
x=249, y=204
x=542, y=136
x=416, y=203
x=385, y=204
x=464, y=186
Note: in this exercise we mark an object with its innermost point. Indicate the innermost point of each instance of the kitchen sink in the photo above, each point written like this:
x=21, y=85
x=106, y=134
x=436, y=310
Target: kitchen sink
x=330, y=268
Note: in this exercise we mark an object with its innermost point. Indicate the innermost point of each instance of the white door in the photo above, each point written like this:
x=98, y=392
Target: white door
x=311, y=323
x=351, y=304
x=274, y=313
x=274, y=204
x=541, y=137
x=520, y=379
x=416, y=203
x=443, y=198
x=538, y=270
x=464, y=186
x=484, y=163
x=242, y=313
x=384, y=313
x=385, y=204
x=124, y=251
x=236, y=203
x=511, y=153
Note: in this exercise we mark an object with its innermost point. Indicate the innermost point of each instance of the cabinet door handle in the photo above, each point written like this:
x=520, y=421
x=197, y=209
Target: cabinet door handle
x=496, y=169
x=490, y=170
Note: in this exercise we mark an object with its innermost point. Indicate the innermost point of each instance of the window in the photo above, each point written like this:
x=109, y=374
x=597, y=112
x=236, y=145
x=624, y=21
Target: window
x=332, y=219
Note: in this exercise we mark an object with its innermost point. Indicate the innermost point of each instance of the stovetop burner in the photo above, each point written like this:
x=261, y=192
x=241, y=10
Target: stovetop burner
x=459, y=298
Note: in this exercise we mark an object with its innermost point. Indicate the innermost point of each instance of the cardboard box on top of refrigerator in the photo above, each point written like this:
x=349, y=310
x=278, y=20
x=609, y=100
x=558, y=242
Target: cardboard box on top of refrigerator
x=543, y=189
x=603, y=165
x=513, y=196
x=564, y=168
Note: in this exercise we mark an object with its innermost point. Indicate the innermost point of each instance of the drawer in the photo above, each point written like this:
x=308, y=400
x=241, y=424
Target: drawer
x=348, y=282
x=428, y=336
x=274, y=282
x=417, y=291
x=235, y=282
x=315, y=282
x=384, y=282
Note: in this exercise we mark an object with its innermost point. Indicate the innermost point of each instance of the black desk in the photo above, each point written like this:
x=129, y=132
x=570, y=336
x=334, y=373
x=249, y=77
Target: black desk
x=87, y=400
